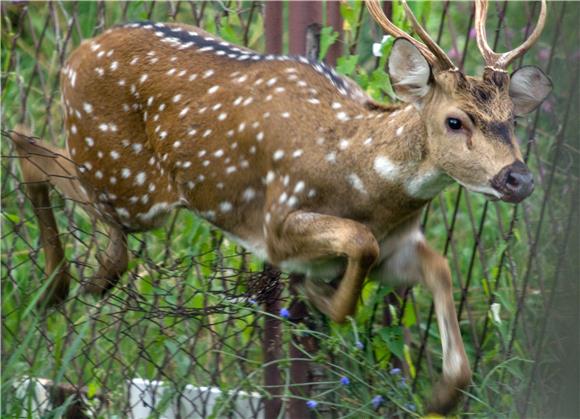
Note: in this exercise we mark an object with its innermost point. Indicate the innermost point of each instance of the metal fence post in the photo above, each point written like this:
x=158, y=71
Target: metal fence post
x=301, y=15
x=274, y=26
x=271, y=347
x=334, y=19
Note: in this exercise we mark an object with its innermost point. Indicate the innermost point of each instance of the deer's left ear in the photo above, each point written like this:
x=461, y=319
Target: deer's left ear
x=529, y=86
x=409, y=71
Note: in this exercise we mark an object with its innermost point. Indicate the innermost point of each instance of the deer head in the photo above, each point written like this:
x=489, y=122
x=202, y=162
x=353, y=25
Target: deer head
x=469, y=121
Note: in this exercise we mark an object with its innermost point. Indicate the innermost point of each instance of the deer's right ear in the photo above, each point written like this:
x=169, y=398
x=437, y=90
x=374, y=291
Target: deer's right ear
x=409, y=71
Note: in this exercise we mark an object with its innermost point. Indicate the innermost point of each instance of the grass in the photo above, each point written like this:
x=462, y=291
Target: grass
x=156, y=325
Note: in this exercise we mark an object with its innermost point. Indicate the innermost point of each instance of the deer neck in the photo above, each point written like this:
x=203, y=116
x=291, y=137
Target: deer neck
x=396, y=155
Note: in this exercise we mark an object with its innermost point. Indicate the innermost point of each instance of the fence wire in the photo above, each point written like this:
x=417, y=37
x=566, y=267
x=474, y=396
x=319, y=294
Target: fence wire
x=193, y=328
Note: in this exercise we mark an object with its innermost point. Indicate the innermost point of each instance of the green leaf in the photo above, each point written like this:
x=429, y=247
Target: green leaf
x=92, y=389
x=347, y=64
x=409, y=318
x=328, y=36
x=393, y=338
x=348, y=15
x=229, y=34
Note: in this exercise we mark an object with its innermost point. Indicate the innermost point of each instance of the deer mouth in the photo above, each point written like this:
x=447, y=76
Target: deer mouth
x=488, y=191
x=490, y=197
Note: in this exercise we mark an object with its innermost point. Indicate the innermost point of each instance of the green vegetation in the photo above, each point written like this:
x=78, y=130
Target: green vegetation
x=185, y=313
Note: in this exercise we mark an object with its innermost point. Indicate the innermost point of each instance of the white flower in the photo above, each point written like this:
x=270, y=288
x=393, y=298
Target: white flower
x=378, y=46
x=495, y=308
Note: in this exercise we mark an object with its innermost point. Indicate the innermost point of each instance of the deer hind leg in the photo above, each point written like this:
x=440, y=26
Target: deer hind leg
x=42, y=166
x=113, y=263
x=307, y=237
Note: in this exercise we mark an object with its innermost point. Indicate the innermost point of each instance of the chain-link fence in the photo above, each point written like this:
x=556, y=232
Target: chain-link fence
x=198, y=327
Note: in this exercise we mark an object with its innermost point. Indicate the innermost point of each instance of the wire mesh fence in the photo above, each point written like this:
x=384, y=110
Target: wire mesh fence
x=199, y=328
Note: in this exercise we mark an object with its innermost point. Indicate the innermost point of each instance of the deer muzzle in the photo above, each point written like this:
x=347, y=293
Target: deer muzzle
x=515, y=182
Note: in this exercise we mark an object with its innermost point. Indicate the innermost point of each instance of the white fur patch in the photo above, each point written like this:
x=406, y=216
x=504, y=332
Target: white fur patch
x=386, y=168
x=154, y=211
x=357, y=183
x=427, y=185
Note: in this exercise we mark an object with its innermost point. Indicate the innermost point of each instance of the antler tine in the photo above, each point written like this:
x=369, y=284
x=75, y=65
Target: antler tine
x=443, y=60
x=489, y=57
x=501, y=61
x=379, y=16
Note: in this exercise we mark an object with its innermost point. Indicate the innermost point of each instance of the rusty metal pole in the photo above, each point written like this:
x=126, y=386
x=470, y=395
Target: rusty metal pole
x=301, y=374
x=334, y=19
x=301, y=14
x=271, y=344
x=271, y=347
x=274, y=27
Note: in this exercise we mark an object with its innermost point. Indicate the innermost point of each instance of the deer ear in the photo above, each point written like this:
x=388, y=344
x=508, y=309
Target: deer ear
x=529, y=86
x=409, y=71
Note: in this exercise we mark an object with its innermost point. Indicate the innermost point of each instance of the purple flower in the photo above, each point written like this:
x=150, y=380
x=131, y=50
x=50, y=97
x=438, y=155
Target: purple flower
x=472, y=33
x=252, y=301
x=508, y=33
x=344, y=380
x=312, y=404
x=548, y=106
x=359, y=345
x=284, y=313
x=544, y=54
x=377, y=401
x=395, y=371
x=403, y=382
x=453, y=53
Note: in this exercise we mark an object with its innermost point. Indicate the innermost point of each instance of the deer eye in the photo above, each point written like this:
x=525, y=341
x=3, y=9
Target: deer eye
x=454, y=124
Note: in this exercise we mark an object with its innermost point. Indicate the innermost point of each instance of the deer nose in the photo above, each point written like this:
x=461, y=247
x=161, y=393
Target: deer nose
x=515, y=182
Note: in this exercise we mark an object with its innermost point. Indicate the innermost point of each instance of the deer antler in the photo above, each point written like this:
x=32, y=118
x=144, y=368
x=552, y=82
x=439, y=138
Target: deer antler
x=432, y=52
x=501, y=61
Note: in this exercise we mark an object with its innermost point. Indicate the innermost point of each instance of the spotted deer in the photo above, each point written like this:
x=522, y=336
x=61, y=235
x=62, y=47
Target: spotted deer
x=293, y=161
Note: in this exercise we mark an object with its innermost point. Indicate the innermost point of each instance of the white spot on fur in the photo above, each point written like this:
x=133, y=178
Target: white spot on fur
x=225, y=207
x=299, y=187
x=330, y=157
x=357, y=183
x=140, y=178
x=249, y=194
x=385, y=168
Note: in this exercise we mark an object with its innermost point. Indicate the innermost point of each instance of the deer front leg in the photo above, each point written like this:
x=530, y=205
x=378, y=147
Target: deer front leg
x=411, y=260
x=304, y=237
x=436, y=276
